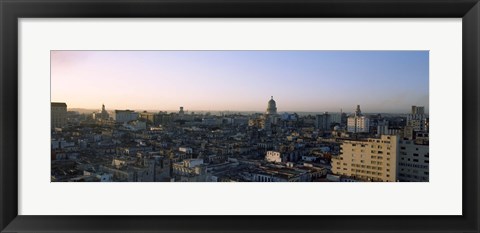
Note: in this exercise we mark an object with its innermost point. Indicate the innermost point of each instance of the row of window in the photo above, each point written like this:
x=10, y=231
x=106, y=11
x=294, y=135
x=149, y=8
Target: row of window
x=368, y=172
x=413, y=165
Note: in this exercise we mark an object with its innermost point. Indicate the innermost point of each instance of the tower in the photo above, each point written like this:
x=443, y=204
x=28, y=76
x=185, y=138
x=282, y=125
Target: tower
x=358, y=112
x=104, y=114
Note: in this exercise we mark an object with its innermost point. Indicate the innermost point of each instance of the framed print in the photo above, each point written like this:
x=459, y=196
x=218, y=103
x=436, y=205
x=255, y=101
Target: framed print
x=239, y=116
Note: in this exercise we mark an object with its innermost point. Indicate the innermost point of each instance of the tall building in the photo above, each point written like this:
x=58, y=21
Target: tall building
x=323, y=121
x=418, y=120
x=336, y=118
x=58, y=115
x=148, y=117
x=358, y=123
x=122, y=116
x=104, y=114
x=413, y=161
x=272, y=107
x=417, y=110
x=373, y=159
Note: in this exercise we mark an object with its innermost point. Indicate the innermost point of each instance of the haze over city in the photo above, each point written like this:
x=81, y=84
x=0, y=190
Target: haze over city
x=304, y=81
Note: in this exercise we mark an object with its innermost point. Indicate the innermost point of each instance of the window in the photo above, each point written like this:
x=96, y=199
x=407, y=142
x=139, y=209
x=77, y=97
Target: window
x=415, y=154
x=415, y=160
x=426, y=161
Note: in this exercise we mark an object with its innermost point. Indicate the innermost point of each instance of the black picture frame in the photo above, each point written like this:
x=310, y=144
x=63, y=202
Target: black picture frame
x=12, y=10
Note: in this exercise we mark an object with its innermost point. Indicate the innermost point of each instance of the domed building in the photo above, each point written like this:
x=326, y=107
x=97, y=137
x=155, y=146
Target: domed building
x=272, y=107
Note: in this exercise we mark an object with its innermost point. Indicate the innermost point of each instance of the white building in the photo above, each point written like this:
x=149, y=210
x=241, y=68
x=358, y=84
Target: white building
x=187, y=150
x=273, y=156
x=358, y=123
x=418, y=120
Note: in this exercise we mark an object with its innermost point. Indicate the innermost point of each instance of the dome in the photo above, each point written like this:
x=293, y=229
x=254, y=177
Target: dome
x=272, y=107
x=336, y=128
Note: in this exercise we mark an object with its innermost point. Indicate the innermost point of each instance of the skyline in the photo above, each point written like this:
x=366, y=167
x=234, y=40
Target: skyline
x=302, y=81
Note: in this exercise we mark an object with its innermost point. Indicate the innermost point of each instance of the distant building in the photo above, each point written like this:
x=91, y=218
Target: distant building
x=417, y=110
x=323, y=121
x=272, y=107
x=104, y=114
x=190, y=170
x=358, y=123
x=336, y=118
x=418, y=120
x=148, y=117
x=374, y=159
x=58, y=115
x=383, y=128
x=135, y=125
x=273, y=156
x=122, y=116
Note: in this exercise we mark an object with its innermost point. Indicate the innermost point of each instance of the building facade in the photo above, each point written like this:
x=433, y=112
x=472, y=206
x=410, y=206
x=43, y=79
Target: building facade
x=273, y=157
x=323, y=121
x=123, y=116
x=358, y=123
x=413, y=162
x=58, y=115
x=373, y=159
x=418, y=120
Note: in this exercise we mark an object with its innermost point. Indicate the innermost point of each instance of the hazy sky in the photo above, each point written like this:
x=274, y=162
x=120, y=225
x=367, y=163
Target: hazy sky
x=311, y=81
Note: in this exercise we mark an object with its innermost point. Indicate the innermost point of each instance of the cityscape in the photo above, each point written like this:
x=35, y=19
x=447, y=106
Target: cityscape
x=254, y=137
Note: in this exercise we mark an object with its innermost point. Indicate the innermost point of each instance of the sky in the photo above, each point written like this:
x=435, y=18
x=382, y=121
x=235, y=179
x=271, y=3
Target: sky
x=299, y=81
